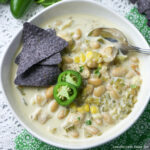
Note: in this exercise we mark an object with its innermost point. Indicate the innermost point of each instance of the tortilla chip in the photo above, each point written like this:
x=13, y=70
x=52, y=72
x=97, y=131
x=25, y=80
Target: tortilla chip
x=143, y=5
x=25, y=50
x=133, y=1
x=148, y=14
x=38, y=76
x=148, y=23
x=39, y=44
x=52, y=60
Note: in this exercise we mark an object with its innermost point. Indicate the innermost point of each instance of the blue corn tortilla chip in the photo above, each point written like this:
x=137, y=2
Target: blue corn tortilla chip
x=148, y=14
x=38, y=76
x=133, y=1
x=52, y=31
x=143, y=5
x=41, y=44
x=148, y=23
x=143, y=8
x=17, y=59
x=32, y=32
x=52, y=60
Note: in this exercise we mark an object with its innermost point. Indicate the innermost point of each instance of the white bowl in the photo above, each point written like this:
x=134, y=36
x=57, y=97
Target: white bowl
x=91, y=8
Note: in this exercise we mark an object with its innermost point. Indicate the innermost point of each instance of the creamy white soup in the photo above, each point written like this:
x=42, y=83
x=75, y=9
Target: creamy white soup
x=111, y=82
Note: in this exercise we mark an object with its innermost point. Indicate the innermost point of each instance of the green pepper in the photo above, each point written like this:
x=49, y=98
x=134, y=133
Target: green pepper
x=18, y=7
x=71, y=77
x=3, y=1
x=46, y=3
x=64, y=93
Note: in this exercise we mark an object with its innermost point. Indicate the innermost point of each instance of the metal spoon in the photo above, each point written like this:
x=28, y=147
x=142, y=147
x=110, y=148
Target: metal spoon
x=115, y=35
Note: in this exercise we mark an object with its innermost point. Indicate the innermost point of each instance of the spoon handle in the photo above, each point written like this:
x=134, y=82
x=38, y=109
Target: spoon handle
x=139, y=50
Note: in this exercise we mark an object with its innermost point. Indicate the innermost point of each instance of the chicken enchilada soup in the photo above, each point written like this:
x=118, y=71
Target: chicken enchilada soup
x=72, y=82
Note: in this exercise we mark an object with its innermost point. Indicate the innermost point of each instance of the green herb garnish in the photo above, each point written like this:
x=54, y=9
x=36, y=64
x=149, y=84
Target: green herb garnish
x=101, y=41
x=97, y=71
x=133, y=86
x=79, y=118
x=81, y=69
x=88, y=122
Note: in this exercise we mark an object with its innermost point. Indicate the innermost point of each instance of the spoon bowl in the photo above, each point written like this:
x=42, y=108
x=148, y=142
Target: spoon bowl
x=116, y=36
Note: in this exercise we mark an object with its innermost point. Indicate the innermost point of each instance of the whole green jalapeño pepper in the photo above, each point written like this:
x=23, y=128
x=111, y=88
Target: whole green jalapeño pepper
x=64, y=93
x=18, y=7
x=3, y=1
x=71, y=77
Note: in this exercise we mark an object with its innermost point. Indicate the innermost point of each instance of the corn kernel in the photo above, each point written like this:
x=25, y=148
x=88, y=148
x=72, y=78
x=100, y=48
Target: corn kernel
x=73, y=106
x=80, y=109
x=100, y=65
x=83, y=58
x=94, y=109
x=86, y=108
x=77, y=59
x=89, y=54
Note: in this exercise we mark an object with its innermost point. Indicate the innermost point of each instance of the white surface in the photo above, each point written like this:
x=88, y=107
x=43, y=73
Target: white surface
x=9, y=126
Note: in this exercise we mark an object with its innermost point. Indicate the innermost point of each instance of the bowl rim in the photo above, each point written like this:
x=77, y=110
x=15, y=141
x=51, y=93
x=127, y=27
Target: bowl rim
x=28, y=128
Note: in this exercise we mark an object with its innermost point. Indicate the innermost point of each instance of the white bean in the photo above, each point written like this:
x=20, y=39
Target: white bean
x=95, y=81
x=107, y=118
x=62, y=114
x=73, y=118
x=92, y=130
x=130, y=74
x=99, y=91
x=108, y=51
x=114, y=94
x=110, y=54
x=74, y=133
x=92, y=64
x=49, y=92
x=54, y=106
x=95, y=44
x=119, y=72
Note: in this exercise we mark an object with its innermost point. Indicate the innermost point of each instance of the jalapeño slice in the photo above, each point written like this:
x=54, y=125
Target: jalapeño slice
x=72, y=77
x=64, y=93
